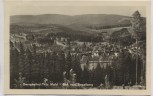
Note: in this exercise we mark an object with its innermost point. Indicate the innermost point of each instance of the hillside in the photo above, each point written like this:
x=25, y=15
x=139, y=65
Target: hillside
x=77, y=26
x=49, y=30
x=87, y=22
x=103, y=19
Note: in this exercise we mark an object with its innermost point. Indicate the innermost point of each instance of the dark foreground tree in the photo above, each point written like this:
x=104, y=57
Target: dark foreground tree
x=14, y=65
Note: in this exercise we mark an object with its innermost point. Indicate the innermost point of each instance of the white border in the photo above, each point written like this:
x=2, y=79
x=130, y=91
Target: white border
x=151, y=47
x=2, y=44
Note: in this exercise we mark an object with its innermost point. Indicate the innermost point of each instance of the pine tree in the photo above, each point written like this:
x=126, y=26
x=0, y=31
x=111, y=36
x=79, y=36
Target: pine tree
x=102, y=75
x=68, y=64
x=28, y=64
x=136, y=21
x=48, y=67
x=42, y=67
x=77, y=68
x=60, y=66
x=139, y=34
x=53, y=69
x=14, y=65
x=97, y=75
x=21, y=59
x=84, y=76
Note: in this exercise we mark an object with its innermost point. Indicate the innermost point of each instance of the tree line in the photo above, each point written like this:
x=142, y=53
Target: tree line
x=51, y=65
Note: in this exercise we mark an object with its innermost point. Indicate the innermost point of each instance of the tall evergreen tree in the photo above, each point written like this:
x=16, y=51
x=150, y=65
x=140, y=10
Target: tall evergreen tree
x=14, y=65
x=68, y=64
x=84, y=76
x=77, y=68
x=48, y=66
x=97, y=75
x=28, y=64
x=42, y=67
x=60, y=66
x=139, y=33
x=136, y=24
x=22, y=58
x=53, y=69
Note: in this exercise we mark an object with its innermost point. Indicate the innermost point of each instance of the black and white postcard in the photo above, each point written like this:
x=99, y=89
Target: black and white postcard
x=77, y=47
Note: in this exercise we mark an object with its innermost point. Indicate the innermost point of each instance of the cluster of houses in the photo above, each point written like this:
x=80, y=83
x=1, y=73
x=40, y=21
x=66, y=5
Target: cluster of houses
x=91, y=54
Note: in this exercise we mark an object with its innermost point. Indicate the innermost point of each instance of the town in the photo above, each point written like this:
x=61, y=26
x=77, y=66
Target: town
x=107, y=61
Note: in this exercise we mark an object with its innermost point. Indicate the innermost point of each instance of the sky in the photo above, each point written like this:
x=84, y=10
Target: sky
x=78, y=10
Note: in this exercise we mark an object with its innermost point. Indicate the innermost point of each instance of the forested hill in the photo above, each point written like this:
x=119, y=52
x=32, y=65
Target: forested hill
x=85, y=26
x=102, y=19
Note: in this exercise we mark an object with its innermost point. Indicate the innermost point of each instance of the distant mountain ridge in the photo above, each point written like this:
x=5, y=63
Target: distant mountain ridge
x=103, y=19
